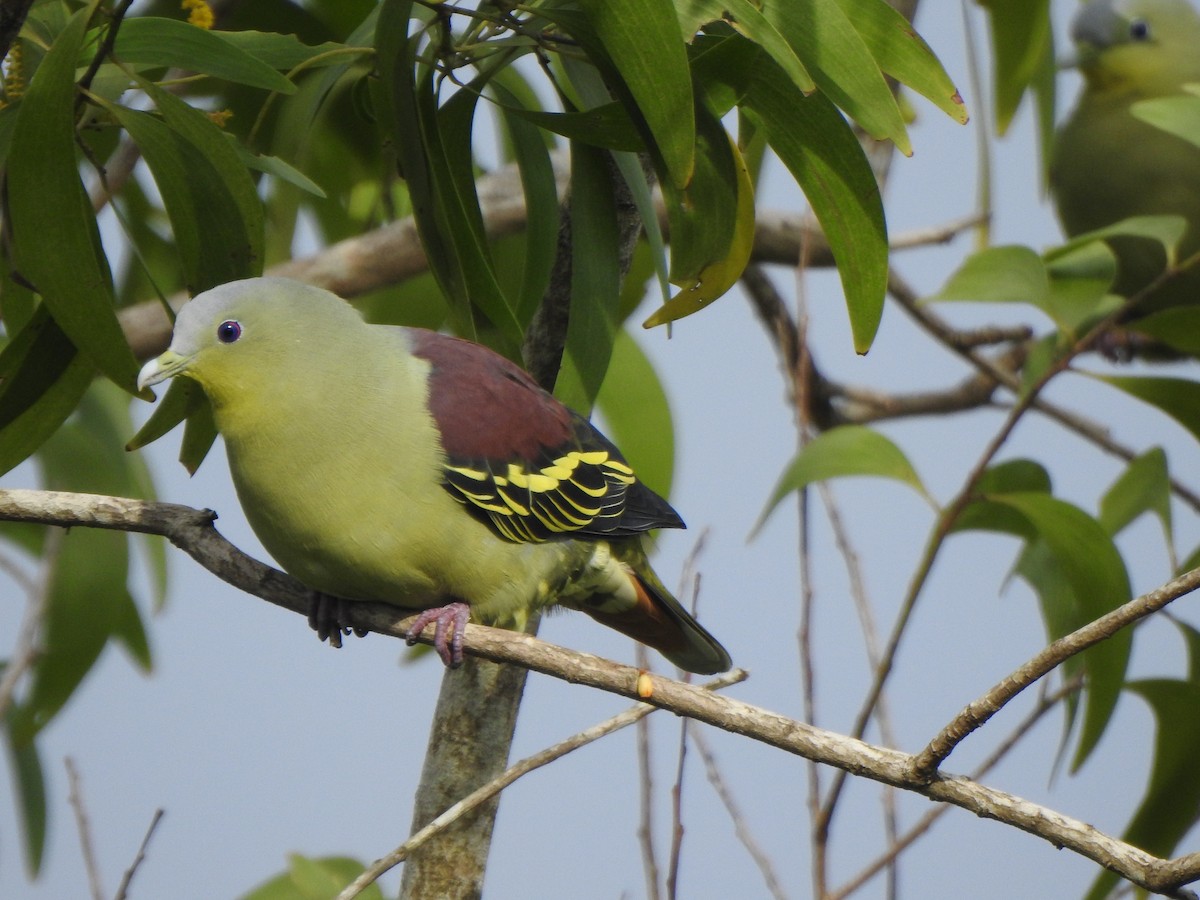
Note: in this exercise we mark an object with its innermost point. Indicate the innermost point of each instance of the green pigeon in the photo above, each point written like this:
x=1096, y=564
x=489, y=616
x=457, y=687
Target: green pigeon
x=400, y=465
x=1108, y=165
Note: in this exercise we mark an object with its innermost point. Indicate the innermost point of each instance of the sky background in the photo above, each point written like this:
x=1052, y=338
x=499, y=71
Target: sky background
x=258, y=741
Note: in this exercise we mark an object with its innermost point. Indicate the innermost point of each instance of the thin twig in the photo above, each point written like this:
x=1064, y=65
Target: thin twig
x=27, y=650
x=127, y=879
x=646, y=794
x=75, y=798
x=484, y=793
x=740, y=826
x=1045, y=703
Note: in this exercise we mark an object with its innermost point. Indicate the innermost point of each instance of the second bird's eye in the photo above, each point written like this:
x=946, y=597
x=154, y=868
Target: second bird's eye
x=229, y=331
x=1139, y=29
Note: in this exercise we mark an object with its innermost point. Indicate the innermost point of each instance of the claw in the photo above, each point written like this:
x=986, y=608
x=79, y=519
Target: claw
x=451, y=622
x=326, y=615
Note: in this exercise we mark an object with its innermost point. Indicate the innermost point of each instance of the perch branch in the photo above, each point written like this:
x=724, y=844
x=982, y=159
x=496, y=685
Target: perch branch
x=192, y=530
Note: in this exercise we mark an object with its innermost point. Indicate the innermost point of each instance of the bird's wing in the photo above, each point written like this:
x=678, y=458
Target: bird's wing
x=521, y=461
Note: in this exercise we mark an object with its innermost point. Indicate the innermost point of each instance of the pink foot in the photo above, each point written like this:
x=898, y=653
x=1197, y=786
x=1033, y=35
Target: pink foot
x=451, y=622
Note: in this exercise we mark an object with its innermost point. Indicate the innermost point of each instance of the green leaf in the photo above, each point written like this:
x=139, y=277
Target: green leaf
x=638, y=415
x=1177, y=327
x=541, y=201
x=747, y=19
x=1167, y=230
x=826, y=159
x=1083, y=553
x=29, y=785
x=607, y=126
x=42, y=378
x=645, y=45
x=903, y=54
x=273, y=165
x=1178, y=115
x=712, y=224
x=153, y=41
x=313, y=879
x=842, y=65
x=1144, y=487
x=55, y=239
x=1179, y=398
x=595, y=281
x=1009, y=274
x=1079, y=285
x=1020, y=31
x=204, y=214
x=848, y=450
x=1171, y=803
x=285, y=51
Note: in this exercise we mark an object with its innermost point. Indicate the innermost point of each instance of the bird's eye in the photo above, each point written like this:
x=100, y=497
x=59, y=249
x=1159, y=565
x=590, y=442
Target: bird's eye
x=1139, y=30
x=229, y=331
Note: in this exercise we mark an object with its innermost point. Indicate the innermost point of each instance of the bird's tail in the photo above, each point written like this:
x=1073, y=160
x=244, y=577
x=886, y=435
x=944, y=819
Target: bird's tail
x=658, y=620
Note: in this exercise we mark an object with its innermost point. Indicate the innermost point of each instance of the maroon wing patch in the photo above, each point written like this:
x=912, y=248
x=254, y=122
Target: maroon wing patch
x=521, y=461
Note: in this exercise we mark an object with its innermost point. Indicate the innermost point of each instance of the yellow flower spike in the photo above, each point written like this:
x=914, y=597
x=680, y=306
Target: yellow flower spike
x=200, y=13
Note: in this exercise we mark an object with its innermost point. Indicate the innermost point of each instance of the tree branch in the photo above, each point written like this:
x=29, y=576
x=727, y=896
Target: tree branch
x=192, y=530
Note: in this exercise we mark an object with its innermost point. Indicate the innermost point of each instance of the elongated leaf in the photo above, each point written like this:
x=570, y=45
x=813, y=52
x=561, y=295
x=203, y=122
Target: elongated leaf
x=607, y=126
x=823, y=155
x=1171, y=803
x=637, y=414
x=154, y=41
x=541, y=200
x=235, y=248
x=644, y=42
x=1179, y=398
x=1020, y=31
x=1144, y=487
x=273, y=165
x=595, y=281
x=748, y=19
x=712, y=225
x=286, y=51
x=46, y=198
x=205, y=216
x=849, y=450
x=452, y=163
x=842, y=65
x=1010, y=274
x=903, y=54
x=29, y=784
x=42, y=378
x=1083, y=552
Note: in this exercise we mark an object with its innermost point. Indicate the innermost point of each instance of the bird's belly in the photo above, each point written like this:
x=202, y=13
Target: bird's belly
x=412, y=548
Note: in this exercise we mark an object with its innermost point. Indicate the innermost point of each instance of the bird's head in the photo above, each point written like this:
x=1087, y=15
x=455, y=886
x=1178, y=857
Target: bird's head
x=226, y=338
x=1147, y=47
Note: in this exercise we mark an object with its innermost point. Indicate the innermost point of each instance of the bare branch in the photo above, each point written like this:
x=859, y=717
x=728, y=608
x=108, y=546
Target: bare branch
x=979, y=711
x=127, y=879
x=192, y=530
x=922, y=825
x=486, y=792
x=75, y=798
x=740, y=827
x=27, y=650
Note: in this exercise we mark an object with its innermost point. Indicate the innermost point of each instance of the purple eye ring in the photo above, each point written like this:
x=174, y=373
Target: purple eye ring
x=229, y=331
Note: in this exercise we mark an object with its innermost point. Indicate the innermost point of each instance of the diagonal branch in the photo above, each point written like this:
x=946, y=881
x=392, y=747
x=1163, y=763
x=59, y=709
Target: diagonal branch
x=192, y=530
